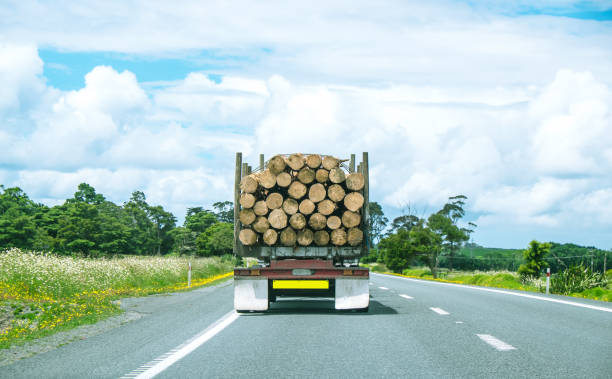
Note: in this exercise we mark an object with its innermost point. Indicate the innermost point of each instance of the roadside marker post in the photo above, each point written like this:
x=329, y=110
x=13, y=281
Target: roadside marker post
x=189, y=276
x=547, y=280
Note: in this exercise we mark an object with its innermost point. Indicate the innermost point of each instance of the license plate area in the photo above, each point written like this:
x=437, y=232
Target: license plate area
x=301, y=284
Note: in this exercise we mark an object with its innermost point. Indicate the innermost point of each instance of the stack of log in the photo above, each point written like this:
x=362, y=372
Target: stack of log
x=301, y=201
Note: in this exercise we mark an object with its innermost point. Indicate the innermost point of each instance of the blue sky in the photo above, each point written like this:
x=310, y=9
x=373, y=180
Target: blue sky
x=507, y=103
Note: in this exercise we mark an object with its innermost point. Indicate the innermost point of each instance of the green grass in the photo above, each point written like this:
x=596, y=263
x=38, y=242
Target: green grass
x=41, y=294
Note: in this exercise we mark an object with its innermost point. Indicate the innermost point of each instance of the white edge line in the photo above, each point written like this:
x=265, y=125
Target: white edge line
x=186, y=348
x=496, y=343
x=439, y=311
x=595, y=307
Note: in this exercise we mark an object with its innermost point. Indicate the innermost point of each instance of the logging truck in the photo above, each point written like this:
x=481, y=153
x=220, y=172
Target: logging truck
x=304, y=217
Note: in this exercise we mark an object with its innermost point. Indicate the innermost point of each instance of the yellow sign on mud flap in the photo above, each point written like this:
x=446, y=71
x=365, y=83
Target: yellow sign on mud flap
x=300, y=284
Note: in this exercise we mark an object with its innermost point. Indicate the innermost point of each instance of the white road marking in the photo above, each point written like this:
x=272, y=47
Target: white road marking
x=383, y=288
x=407, y=297
x=439, y=311
x=153, y=368
x=458, y=322
x=371, y=284
x=595, y=307
x=497, y=344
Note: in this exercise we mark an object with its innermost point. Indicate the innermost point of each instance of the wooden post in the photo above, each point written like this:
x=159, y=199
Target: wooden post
x=237, y=177
x=352, y=164
x=261, y=162
x=365, y=170
x=249, y=170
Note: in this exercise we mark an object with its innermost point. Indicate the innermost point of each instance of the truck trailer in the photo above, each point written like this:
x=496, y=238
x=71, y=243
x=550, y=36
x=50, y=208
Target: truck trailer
x=304, y=217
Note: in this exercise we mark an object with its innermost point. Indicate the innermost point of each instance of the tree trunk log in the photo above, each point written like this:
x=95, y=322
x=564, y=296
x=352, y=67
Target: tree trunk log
x=274, y=200
x=290, y=206
x=277, y=219
x=336, y=175
x=248, y=184
x=316, y=192
x=248, y=237
x=283, y=179
x=305, y=237
x=297, y=190
x=338, y=237
x=296, y=161
x=247, y=216
x=317, y=221
x=330, y=162
x=350, y=219
x=260, y=208
x=297, y=221
x=326, y=207
x=306, y=175
x=288, y=237
x=334, y=222
x=313, y=161
x=355, y=181
x=322, y=175
x=266, y=179
x=247, y=200
x=336, y=193
x=261, y=224
x=353, y=201
x=277, y=164
x=306, y=207
x=270, y=237
x=321, y=238
x=354, y=236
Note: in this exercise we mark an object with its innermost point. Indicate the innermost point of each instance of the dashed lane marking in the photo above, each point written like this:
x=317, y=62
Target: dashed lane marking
x=496, y=343
x=407, y=297
x=439, y=311
x=383, y=288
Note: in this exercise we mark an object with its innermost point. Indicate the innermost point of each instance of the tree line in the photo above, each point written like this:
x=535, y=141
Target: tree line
x=93, y=226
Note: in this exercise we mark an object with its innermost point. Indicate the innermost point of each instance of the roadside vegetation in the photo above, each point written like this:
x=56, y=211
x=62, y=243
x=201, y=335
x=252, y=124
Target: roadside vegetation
x=41, y=293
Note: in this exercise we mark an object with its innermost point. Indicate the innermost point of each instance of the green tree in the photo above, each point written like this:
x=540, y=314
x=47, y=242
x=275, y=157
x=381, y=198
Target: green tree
x=452, y=235
x=534, y=259
x=427, y=243
x=162, y=222
x=377, y=222
x=224, y=211
x=218, y=239
x=198, y=219
x=397, y=250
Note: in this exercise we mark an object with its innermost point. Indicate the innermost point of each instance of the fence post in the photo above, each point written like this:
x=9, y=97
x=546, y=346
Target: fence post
x=547, y=280
x=189, y=276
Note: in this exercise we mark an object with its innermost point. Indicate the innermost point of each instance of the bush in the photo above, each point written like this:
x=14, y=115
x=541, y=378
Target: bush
x=576, y=279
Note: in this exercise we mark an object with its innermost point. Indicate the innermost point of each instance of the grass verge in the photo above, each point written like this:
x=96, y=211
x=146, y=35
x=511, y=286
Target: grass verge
x=41, y=294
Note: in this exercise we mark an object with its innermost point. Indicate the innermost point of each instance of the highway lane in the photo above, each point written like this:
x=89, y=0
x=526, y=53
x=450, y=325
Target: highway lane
x=414, y=328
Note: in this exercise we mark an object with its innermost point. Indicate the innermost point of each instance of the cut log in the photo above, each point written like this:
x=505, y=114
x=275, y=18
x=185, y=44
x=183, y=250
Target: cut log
x=306, y=207
x=306, y=175
x=321, y=238
x=336, y=175
x=338, y=237
x=297, y=190
x=326, y=207
x=248, y=237
x=330, y=162
x=355, y=181
x=290, y=206
x=247, y=200
x=354, y=236
x=266, y=179
x=305, y=237
x=274, y=200
x=288, y=237
x=277, y=219
x=336, y=193
x=277, y=164
x=322, y=175
x=296, y=161
x=350, y=219
x=316, y=192
x=334, y=222
x=313, y=161
x=260, y=208
x=247, y=216
x=317, y=221
x=270, y=237
x=283, y=179
x=297, y=221
x=353, y=201
x=248, y=184
x=261, y=224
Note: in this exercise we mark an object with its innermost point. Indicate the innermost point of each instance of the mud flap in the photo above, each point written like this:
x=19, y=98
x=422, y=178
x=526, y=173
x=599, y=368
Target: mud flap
x=352, y=293
x=251, y=294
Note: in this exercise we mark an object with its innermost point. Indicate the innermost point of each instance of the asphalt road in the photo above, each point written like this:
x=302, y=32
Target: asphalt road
x=413, y=329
